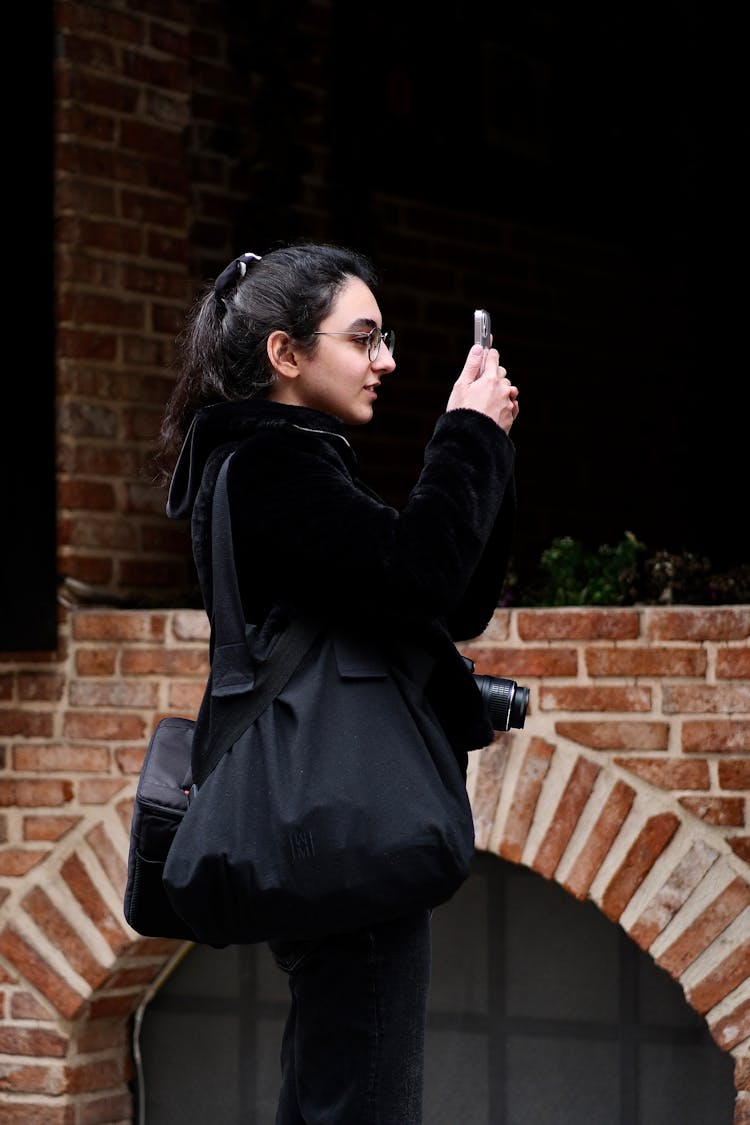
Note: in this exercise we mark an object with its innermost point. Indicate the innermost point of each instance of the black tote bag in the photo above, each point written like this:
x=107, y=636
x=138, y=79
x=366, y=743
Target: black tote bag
x=340, y=806
x=326, y=794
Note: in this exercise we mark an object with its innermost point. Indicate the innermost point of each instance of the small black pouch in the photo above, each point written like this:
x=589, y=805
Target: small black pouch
x=160, y=803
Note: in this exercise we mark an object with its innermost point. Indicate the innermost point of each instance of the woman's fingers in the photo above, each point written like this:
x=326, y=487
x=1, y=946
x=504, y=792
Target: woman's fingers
x=473, y=365
x=489, y=391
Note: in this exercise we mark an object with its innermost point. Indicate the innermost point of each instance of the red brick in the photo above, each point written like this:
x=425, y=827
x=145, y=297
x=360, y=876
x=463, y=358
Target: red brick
x=26, y=724
x=720, y=699
x=106, y=725
x=717, y=810
x=83, y=889
x=123, y=625
x=101, y=1111
x=141, y=207
x=165, y=662
x=597, y=698
x=39, y=974
x=27, y=1112
x=155, y=950
x=15, y=862
x=186, y=698
x=33, y=1042
x=97, y=571
x=740, y=845
x=731, y=1030
x=733, y=663
x=90, y=495
x=99, y=791
x=33, y=1079
x=113, y=693
x=492, y=762
x=145, y=573
x=97, y=1035
x=104, y=1074
x=705, y=928
x=61, y=934
x=528, y=786
x=133, y=978
x=641, y=857
x=96, y=531
x=108, y=855
x=728, y=623
x=673, y=893
x=611, y=735
x=111, y=1007
x=734, y=774
x=520, y=662
x=84, y=419
x=47, y=686
x=91, y=89
x=742, y=1110
x=96, y=662
x=742, y=1068
x=600, y=839
x=130, y=759
x=61, y=758
x=577, y=624
x=717, y=984
x=47, y=827
x=191, y=625
x=641, y=661
x=566, y=816
x=716, y=736
x=27, y=793
x=669, y=774
x=143, y=136
x=24, y=1006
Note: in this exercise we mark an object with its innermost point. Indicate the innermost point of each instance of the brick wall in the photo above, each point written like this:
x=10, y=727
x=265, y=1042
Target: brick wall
x=629, y=786
x=163, y=163
x=184, y=133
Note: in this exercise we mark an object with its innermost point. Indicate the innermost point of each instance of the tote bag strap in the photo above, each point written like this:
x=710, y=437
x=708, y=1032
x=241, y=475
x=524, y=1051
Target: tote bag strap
x=240, y=695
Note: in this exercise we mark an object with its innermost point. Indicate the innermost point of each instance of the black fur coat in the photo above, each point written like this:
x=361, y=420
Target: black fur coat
x=309, y=534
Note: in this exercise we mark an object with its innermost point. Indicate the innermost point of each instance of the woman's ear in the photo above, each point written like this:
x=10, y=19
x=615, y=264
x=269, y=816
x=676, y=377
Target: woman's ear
x=281, y=355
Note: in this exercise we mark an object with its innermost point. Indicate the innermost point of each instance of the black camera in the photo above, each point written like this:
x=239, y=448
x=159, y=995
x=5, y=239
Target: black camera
x=505, y=701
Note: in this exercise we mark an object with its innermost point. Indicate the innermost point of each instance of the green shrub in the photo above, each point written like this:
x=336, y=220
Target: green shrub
x=626, y=574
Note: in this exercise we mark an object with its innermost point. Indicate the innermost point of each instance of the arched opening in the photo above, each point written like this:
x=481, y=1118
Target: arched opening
x=541, y=1010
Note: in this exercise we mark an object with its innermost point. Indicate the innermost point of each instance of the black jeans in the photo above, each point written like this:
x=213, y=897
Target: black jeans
x=353, y=1045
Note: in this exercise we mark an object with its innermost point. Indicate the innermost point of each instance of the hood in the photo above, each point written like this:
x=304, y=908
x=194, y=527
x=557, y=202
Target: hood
x=228, y=423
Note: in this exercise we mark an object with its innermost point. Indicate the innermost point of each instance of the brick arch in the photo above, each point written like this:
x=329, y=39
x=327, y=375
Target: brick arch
x=666, y=877
x=74, y=973
x=79, y=973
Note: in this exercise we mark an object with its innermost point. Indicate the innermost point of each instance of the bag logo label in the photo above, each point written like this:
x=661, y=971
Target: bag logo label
x=301, y=845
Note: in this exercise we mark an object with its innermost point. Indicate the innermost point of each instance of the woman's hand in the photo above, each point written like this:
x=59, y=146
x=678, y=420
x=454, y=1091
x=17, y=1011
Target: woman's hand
x=491, y=393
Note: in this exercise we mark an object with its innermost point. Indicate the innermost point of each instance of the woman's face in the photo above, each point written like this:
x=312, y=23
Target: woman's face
x=339, y=378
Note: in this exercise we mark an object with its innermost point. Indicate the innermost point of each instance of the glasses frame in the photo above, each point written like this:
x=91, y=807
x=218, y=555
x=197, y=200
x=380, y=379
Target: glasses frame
x=373, y=349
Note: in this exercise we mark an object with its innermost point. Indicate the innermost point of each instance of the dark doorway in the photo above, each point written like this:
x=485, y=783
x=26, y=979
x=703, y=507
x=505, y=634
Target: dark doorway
x=541, y=1011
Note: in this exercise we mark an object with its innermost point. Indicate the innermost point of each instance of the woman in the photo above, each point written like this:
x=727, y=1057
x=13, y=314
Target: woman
x=280, y=355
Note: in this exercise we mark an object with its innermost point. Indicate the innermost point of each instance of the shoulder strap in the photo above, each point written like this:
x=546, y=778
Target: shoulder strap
x=238, y=697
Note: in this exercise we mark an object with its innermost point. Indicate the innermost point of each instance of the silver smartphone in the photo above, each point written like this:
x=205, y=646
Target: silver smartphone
x=482, y=332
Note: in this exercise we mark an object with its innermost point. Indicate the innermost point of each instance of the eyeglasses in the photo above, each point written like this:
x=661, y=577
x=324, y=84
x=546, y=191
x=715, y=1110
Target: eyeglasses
x=372, y=340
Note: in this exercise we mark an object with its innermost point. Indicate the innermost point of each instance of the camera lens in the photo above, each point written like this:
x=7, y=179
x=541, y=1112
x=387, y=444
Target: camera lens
x=506, y=702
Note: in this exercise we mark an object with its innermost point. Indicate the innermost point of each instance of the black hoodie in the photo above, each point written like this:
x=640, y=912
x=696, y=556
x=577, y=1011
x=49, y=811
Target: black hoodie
x=309, y=535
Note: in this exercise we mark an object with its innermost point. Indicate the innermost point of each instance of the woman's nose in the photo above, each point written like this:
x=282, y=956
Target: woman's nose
x=384, y=362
